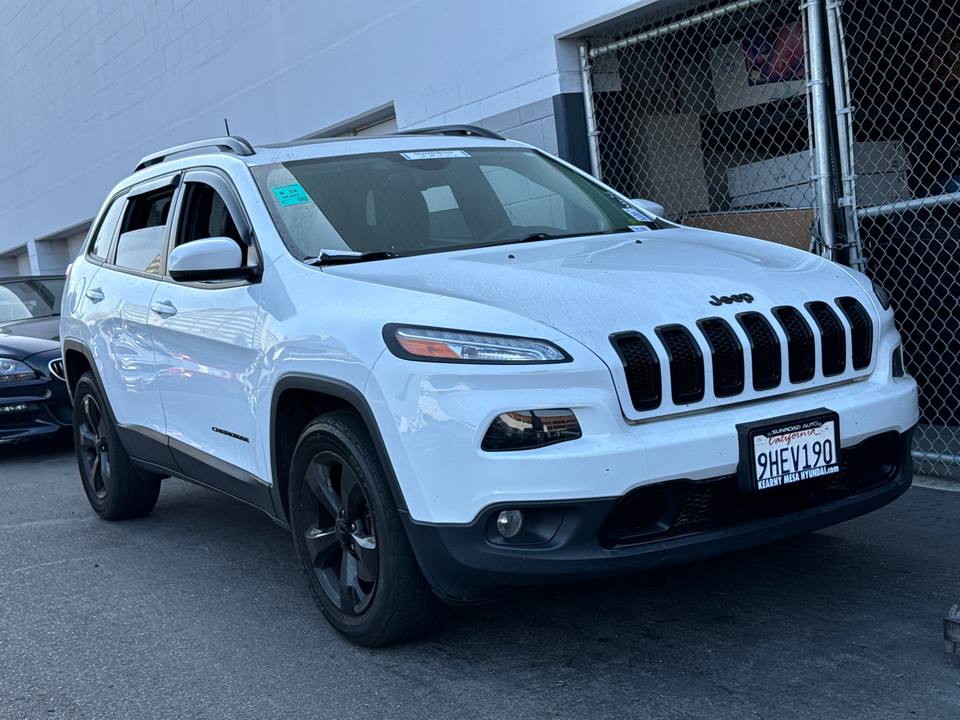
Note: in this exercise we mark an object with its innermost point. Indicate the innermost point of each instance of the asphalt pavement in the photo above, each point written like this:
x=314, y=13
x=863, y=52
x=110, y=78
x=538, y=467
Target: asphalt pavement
x=200, y=611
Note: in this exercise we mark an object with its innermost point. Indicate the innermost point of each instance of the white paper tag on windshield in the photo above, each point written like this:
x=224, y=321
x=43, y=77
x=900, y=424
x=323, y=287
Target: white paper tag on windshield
x=434, y=154
x=636, y=214
x=640, y=228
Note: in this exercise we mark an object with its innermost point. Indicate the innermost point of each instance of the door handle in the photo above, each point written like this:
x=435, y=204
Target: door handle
x=163, y=308
x=94, y=294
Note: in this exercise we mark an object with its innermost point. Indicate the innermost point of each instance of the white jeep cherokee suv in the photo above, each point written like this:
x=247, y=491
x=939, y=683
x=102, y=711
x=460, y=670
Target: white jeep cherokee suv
x=453, y=365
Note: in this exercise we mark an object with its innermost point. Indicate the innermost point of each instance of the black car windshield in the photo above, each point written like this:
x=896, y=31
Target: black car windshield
x=30, y=298
x=405, y=203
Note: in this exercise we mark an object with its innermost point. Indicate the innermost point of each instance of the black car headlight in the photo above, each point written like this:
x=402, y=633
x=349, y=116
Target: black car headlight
x=14, y=370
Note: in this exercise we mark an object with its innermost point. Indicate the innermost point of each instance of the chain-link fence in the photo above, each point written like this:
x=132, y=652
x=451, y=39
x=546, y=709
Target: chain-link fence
x=903, y=61
x=829, y=126
x=706, y=113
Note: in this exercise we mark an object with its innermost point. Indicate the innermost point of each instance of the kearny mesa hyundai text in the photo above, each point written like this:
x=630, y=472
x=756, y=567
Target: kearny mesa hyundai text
x=454, y=365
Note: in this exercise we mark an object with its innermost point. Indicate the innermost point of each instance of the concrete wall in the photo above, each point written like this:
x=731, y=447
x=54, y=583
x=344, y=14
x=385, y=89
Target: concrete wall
x=89, y=88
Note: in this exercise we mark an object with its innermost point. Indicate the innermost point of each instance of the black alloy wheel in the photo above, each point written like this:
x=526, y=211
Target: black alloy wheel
x=93, y=450
x=349, y=537
x=113, y=485
x=341, y=542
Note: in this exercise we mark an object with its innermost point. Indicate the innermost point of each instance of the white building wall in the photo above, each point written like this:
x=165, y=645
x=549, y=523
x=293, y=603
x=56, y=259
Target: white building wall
x=88, y=88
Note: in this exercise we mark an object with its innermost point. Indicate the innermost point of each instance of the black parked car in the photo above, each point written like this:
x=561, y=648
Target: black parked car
x=33, y=396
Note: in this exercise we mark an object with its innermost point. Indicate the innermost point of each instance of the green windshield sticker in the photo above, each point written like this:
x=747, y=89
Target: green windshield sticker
x=291, y=194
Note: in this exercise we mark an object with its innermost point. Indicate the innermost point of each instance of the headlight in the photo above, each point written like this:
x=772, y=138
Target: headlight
x=12, y=370
x=882, y=295
x=437, y=345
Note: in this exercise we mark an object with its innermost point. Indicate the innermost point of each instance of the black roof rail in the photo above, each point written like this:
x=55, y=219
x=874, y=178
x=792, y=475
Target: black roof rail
x=465, y=130
x=228, y=143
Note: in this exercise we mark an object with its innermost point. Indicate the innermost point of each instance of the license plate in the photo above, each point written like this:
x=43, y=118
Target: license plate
x=788, y=450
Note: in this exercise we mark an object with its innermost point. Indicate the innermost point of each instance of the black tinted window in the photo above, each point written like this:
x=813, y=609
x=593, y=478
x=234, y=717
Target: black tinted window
x=106, y=230
x=204, y=215
x=140, y=244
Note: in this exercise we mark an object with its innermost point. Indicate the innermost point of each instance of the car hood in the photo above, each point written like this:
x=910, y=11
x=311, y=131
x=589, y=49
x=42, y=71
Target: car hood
x=43, y=327
x=20, y=348
x=589, y=288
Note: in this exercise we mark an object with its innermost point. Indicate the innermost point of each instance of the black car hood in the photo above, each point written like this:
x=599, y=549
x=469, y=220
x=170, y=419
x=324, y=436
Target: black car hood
x=17, y=347
x=42, y=327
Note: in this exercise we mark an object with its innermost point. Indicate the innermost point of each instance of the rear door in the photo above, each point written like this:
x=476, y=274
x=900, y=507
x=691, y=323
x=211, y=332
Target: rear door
x=119, y=298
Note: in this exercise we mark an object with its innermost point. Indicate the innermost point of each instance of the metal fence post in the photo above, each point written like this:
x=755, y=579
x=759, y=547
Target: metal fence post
x=592, y=135
x=844, y=119
x=822, y=175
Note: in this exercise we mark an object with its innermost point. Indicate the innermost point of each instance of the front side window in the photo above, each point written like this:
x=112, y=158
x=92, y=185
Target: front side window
x=142, y=231
x=408, y=203
x=205, y=215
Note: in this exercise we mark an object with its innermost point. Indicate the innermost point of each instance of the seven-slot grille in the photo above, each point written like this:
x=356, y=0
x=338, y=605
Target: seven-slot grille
x=684, y=352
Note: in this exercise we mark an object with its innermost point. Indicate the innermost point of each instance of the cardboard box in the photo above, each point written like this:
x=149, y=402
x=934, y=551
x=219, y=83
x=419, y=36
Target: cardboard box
x=881, y=169
x=787, y=227
x=669, y=163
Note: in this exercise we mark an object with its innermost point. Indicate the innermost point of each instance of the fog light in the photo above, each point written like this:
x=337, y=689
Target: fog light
x=20, y=407
x=510, y=523
x=525, y=429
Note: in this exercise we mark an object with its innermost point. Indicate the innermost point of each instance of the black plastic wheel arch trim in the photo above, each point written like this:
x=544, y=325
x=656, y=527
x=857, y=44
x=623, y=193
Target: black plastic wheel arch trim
x=343, y=391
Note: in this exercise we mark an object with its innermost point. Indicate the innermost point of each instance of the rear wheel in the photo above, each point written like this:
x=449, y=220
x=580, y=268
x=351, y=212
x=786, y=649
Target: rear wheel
x=113, y=485
x=349, y=537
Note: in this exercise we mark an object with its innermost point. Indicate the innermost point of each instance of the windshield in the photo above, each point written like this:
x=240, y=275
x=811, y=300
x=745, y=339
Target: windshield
x=24, y=299
x=406, y=203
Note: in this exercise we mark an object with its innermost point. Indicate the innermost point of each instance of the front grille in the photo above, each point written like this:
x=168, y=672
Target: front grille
x=684, y=507
x=727, y=357
x=683, y=354
x=57, y=370
x=686, y=364
x=18, y=419
x=642, y=369
x=764, y=350
x=800, y=348
x=832, y=340
x=861, y=331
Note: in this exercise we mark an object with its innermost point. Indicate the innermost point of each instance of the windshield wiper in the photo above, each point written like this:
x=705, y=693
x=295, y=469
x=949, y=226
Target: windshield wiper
x=345, y=257
x=534, y=237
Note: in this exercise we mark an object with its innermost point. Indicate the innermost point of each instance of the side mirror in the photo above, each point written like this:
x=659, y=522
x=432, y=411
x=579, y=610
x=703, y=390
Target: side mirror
x=650, y=206
x=216, y=258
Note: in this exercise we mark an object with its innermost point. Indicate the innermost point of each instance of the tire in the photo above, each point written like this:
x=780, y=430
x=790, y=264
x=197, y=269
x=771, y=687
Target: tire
x=349, y=538
x=114, y=487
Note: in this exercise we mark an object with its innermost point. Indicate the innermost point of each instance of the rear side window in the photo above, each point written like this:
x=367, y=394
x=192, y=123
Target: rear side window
x=140, y=244
x=106, y=230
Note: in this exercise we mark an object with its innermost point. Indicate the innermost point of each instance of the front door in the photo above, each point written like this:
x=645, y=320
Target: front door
x=205, y=336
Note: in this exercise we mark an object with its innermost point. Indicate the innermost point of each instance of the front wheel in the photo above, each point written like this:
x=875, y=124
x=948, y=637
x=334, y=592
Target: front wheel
x=114, y=487
x=349, y=537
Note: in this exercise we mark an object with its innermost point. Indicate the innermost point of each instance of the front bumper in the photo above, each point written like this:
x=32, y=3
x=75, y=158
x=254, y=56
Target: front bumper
x=34, y=410
x=577, y=540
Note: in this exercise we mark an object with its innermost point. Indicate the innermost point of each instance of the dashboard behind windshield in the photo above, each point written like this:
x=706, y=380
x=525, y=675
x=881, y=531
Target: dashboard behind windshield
x=406, y=203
